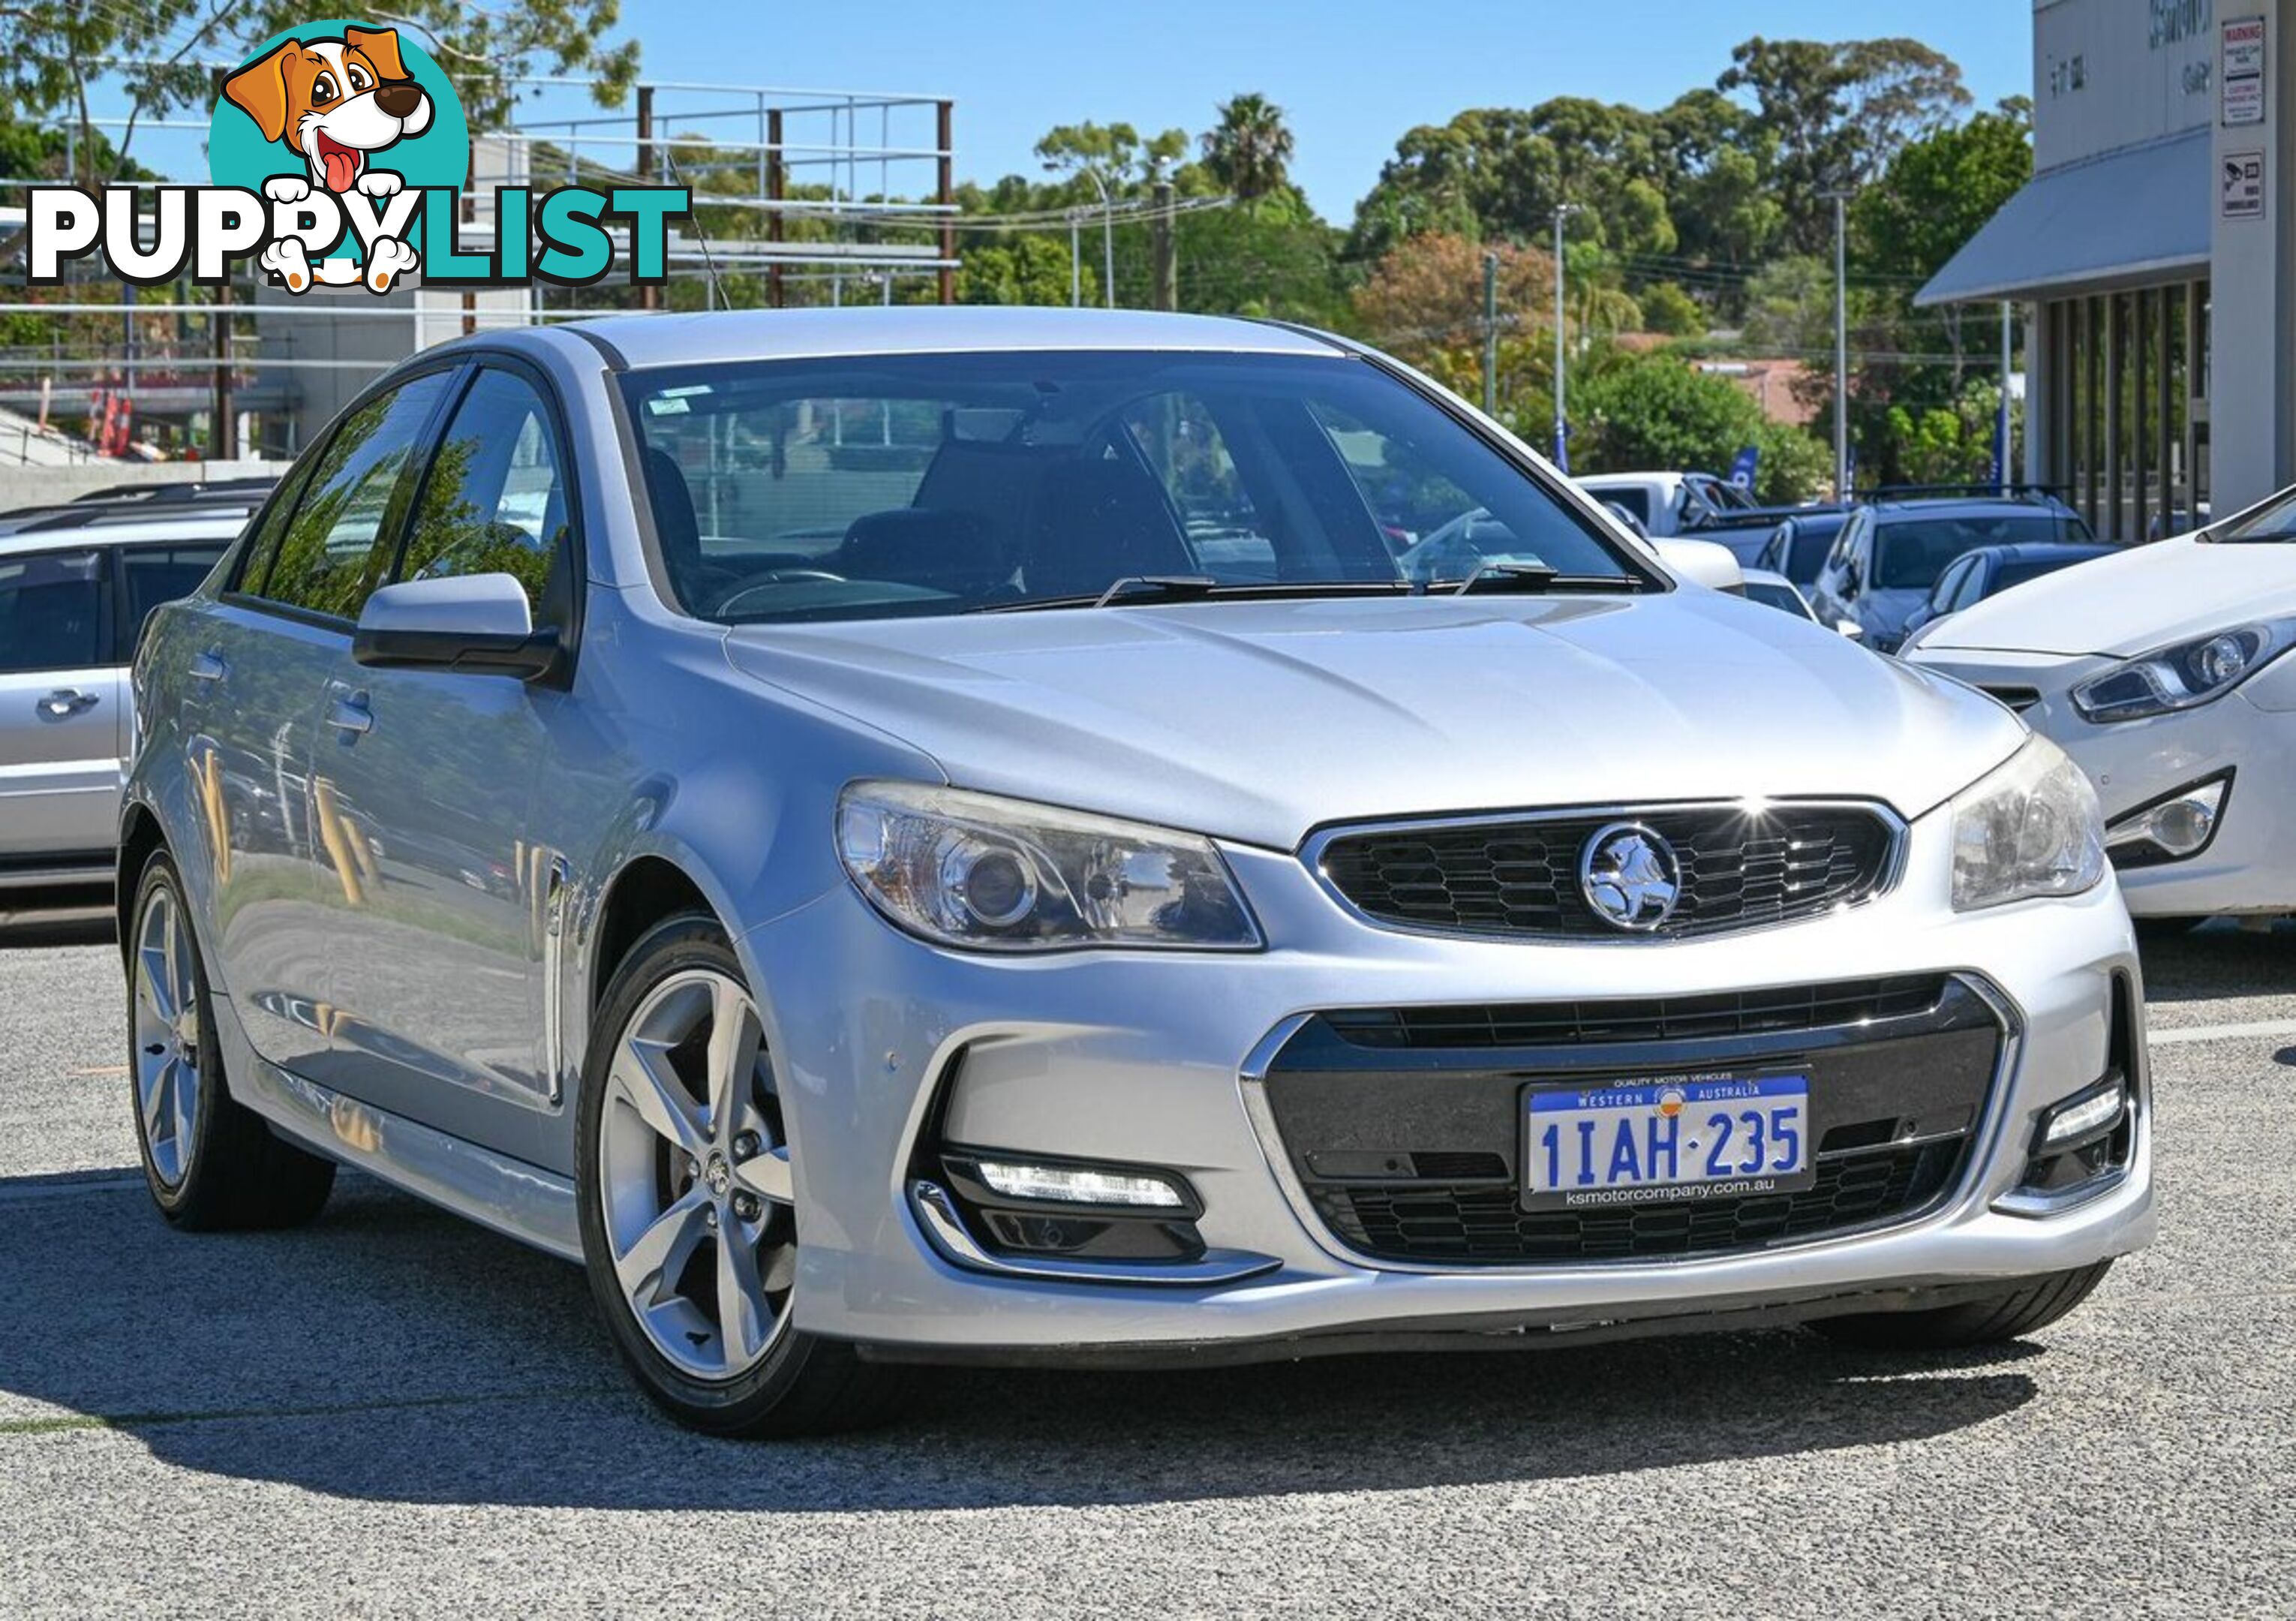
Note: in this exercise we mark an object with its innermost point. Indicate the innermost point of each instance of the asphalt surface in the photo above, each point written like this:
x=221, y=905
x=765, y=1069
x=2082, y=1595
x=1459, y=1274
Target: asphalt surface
x=392, y=1412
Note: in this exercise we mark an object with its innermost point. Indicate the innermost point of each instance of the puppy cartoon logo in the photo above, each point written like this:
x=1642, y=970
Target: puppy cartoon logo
x=342, y=112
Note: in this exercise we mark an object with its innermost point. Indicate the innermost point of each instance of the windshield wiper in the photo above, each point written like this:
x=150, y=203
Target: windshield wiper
x=1159, y=588
x=1498, y=578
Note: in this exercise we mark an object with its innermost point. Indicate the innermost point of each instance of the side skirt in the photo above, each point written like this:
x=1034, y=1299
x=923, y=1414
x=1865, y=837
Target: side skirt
x=516, y=1199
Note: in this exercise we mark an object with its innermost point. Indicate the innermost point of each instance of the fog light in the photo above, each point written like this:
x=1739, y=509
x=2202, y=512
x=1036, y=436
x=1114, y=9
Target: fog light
x=2170, y=829
x=1073, y=1185
x=2083, y=1118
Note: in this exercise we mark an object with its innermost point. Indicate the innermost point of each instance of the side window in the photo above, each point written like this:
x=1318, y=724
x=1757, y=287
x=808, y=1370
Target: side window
x=1972, y=585
x=51, y=611
x=1634, y=498
x=334, y=549
x=150, y=575
x=1182, y=444
x=495, y=498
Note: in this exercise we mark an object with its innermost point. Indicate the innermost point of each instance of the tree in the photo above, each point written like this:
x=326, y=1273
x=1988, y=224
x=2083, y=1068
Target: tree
x=1027, y=269
x=1426, y=294
x=1668, y=308
x=1113, y=152
x=1652, y=410
x=1249, y=150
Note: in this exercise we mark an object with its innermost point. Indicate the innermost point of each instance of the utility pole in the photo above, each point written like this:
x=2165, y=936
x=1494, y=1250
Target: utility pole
x=1076, y=265
x=2001, y=427
x=1107, y=240
x=1490, y=334
x=1562, y=210
x=1163, y=251
x=1840, y=197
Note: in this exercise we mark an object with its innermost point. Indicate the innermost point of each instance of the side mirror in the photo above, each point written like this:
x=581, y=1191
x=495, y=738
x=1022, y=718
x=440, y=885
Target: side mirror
x=475, y=624
x=1702, y=563
x=1851, y=629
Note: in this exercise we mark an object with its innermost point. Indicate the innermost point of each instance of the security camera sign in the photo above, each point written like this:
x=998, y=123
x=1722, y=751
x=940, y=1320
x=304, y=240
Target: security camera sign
x=2241, y=174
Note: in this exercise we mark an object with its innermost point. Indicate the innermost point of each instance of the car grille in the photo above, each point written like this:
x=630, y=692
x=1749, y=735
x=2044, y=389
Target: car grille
x=1521, y=876
x=1403, y=1126
x=1466, y=1224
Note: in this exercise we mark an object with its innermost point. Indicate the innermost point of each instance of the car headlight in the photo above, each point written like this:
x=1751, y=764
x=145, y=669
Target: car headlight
x=2179, y=677
x=2031, y=827
x=985, y=873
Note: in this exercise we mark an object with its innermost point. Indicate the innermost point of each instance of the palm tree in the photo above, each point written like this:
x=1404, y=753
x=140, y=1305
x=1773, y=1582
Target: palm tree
x=1249, y=149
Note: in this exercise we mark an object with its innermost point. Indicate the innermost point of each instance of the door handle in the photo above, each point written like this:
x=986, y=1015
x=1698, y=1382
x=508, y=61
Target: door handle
x=64, y=703
x=349, y=714
x=206, y=667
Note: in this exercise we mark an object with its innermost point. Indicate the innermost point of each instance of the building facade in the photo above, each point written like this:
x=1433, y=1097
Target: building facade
x=2151, y=255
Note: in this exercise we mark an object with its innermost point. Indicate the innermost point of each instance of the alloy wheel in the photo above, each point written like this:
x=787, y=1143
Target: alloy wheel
x=167, y=1035
x=695, y=1178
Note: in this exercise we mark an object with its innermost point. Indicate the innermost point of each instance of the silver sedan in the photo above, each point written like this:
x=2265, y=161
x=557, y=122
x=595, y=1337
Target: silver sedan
x=906, y=836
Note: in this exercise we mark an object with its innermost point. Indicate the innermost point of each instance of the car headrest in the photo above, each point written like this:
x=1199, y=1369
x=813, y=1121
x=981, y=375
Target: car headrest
x=674, y=523
x=1099, y=521
x=956, y=552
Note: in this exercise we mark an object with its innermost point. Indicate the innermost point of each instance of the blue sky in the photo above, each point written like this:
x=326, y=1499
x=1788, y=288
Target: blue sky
x=1352, y=75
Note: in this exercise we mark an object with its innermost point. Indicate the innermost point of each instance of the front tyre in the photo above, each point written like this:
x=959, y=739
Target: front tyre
x=209, y=1162
x=2014, y=1313
x=688, y=1210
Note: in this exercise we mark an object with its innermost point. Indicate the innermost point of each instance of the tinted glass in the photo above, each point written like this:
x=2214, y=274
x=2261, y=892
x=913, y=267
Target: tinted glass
x=1911, y=553
x=2018, y=573
x=51, y=611
x=156, y=574
x=1634, y=498
x=1807, y=556
x=494, y=497
x=939, y=483
x=334, y=549
x=1777, y=596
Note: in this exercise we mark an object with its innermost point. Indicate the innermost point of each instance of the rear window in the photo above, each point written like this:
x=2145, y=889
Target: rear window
x=1910, y=554
x=2018, y=573
x=943, y=483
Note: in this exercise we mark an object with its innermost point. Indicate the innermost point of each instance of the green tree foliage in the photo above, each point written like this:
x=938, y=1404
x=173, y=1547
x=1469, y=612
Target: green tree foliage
x=1668, y=308
x=1631, y=411
x=1023, y=269
x=1249, y=150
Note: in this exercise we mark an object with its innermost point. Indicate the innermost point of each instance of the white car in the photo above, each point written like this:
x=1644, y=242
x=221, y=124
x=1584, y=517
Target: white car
x=76, y=585
x=2160, y=670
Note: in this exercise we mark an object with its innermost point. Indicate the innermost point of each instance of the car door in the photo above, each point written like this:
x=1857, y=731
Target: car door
x=438, y=971
x=143, y=577
x=60, y=737
x=260, y=663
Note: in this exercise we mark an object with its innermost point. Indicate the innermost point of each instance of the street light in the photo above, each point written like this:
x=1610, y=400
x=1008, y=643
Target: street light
x=1561, y=428
x=1107, y=240
x=1839, y=196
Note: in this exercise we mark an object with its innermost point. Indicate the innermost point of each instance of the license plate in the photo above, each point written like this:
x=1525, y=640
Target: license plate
x=1664, y=1140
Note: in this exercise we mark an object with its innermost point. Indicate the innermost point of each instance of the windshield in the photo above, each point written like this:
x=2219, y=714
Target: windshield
x=878, y=486
x=1909, y=554
x=2275, y=520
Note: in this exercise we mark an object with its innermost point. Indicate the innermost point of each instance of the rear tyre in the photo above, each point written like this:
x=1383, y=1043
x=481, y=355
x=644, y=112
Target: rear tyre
x=209, y=1162
x=688, y=1209
x=2011, y=1314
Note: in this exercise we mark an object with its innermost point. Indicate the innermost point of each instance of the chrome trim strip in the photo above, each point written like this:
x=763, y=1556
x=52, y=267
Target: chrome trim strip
x=1311, y=855
x=1251, y=1081
x=936, y=1216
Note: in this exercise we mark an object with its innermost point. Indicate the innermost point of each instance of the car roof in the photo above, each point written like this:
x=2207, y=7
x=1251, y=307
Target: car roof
x=1963, y=506
x=775, y=334
x=204, y=524
x=2042, y=551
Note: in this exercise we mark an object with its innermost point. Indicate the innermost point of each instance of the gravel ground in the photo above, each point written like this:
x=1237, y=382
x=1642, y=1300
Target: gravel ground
x=392, y=1412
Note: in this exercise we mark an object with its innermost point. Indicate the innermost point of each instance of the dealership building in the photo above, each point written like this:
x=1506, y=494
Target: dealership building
x=2154, y=256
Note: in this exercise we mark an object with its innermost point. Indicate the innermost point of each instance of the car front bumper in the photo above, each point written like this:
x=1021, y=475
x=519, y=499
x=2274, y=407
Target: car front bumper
x=883, y=1044
x=2249, y=866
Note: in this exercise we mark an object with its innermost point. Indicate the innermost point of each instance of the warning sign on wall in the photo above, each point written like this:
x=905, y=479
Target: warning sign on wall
x=2241, y=177
x=2240, y=71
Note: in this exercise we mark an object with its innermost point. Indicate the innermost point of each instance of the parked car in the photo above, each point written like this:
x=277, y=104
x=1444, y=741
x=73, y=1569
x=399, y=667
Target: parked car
x=1890, y=554
x=1012, y=935
x=1774, y=591
x=73, y=598
x=1665, y=504
x=1798, y=546
x=2161, y=669
x=1991, y=569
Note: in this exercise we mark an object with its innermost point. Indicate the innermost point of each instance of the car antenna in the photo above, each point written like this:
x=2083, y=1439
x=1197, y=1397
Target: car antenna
x=717, y=293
